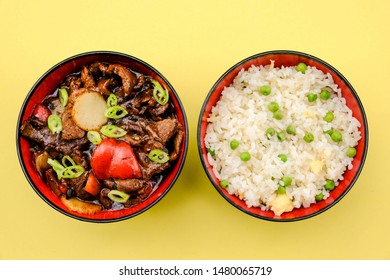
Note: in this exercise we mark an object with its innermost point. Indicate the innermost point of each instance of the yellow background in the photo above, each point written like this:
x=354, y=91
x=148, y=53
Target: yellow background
x=193, y=43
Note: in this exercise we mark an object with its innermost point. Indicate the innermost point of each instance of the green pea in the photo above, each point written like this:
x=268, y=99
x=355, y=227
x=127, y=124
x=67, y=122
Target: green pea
x=301, y=67
x=336, y=136
x=291, y=129
x=270, y=132
x=329, y=116
x=324, y=94
x=311, y=97
x=265, y=90
x=329, y=185
x=278, y=115
x=281, y=137
x=224, y=183
x=329, y=132
x=351, y=152
x=319, y=197
x=309, y=137
x=211, y=152
x=281, y=190
x=282, y=157
x=273, y=106
x=245, y=156
x=234, y=144
x=287, y=181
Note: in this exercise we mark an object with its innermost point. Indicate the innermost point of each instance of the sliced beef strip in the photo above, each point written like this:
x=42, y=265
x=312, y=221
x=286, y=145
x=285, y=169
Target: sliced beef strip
x=87, y=78
x=128, y=78
x=132, y=201
x=72, y=82
x=69, y=128
x=140, y=82
x=150, y=168
x=157, y=111
x=105, y=86
x=109, y=183
x=151, y=129
x=97, y=67
x=103, y=198
x=80, y=158
x=177, y=144
x=166, y=129
x=129, y=185
x=50, y=141
x=141, y=195
x=78, y=184
x=130, y=125
x=142, y=98
x=145, y=192
x=133, y=140
x=151, y=144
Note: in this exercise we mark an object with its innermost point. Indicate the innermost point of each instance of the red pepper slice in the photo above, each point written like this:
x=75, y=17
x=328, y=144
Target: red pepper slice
x=92, y=186
x=115, y=159
x=41, y=112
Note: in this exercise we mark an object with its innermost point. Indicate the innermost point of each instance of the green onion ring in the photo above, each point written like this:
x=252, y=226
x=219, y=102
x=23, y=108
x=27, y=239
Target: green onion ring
x=160, y=94
x=69, y=159
x=113, y=131
x=118, y=196
x=115, y=112
x=94, y=137
x=73, y=171
x=54, y=123
x=158, y=156
x=63, y=96
x=57, y=167
x=112, y=100
x=66, y=171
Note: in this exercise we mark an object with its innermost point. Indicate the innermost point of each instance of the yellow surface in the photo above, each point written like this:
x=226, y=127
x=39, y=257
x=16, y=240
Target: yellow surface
x=192, y=43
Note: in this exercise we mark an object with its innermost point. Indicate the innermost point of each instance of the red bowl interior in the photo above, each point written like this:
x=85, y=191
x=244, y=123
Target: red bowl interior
x=287, y=58
x=47, y=84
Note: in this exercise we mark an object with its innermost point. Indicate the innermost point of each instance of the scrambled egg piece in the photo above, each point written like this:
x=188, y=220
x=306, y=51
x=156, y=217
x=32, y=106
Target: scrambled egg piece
x=282, y=203
x=316, y=166
x=309, y=114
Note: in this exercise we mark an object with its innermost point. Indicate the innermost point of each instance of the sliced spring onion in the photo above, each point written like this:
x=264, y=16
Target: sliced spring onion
x=160, y=94
x=94, y=137
x=64, y=170
x=115, y=112
x=158, y=156
x=67, y=159
x=118, y=196
x=113, y=131
x=112, y=100
x=63, y=96
x=73, y=171
x=211, y=152
x=57, y=167
x=54, y=123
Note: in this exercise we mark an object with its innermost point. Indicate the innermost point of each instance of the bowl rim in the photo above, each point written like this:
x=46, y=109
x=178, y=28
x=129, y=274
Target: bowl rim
x=285, y=52
x=29, y=96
